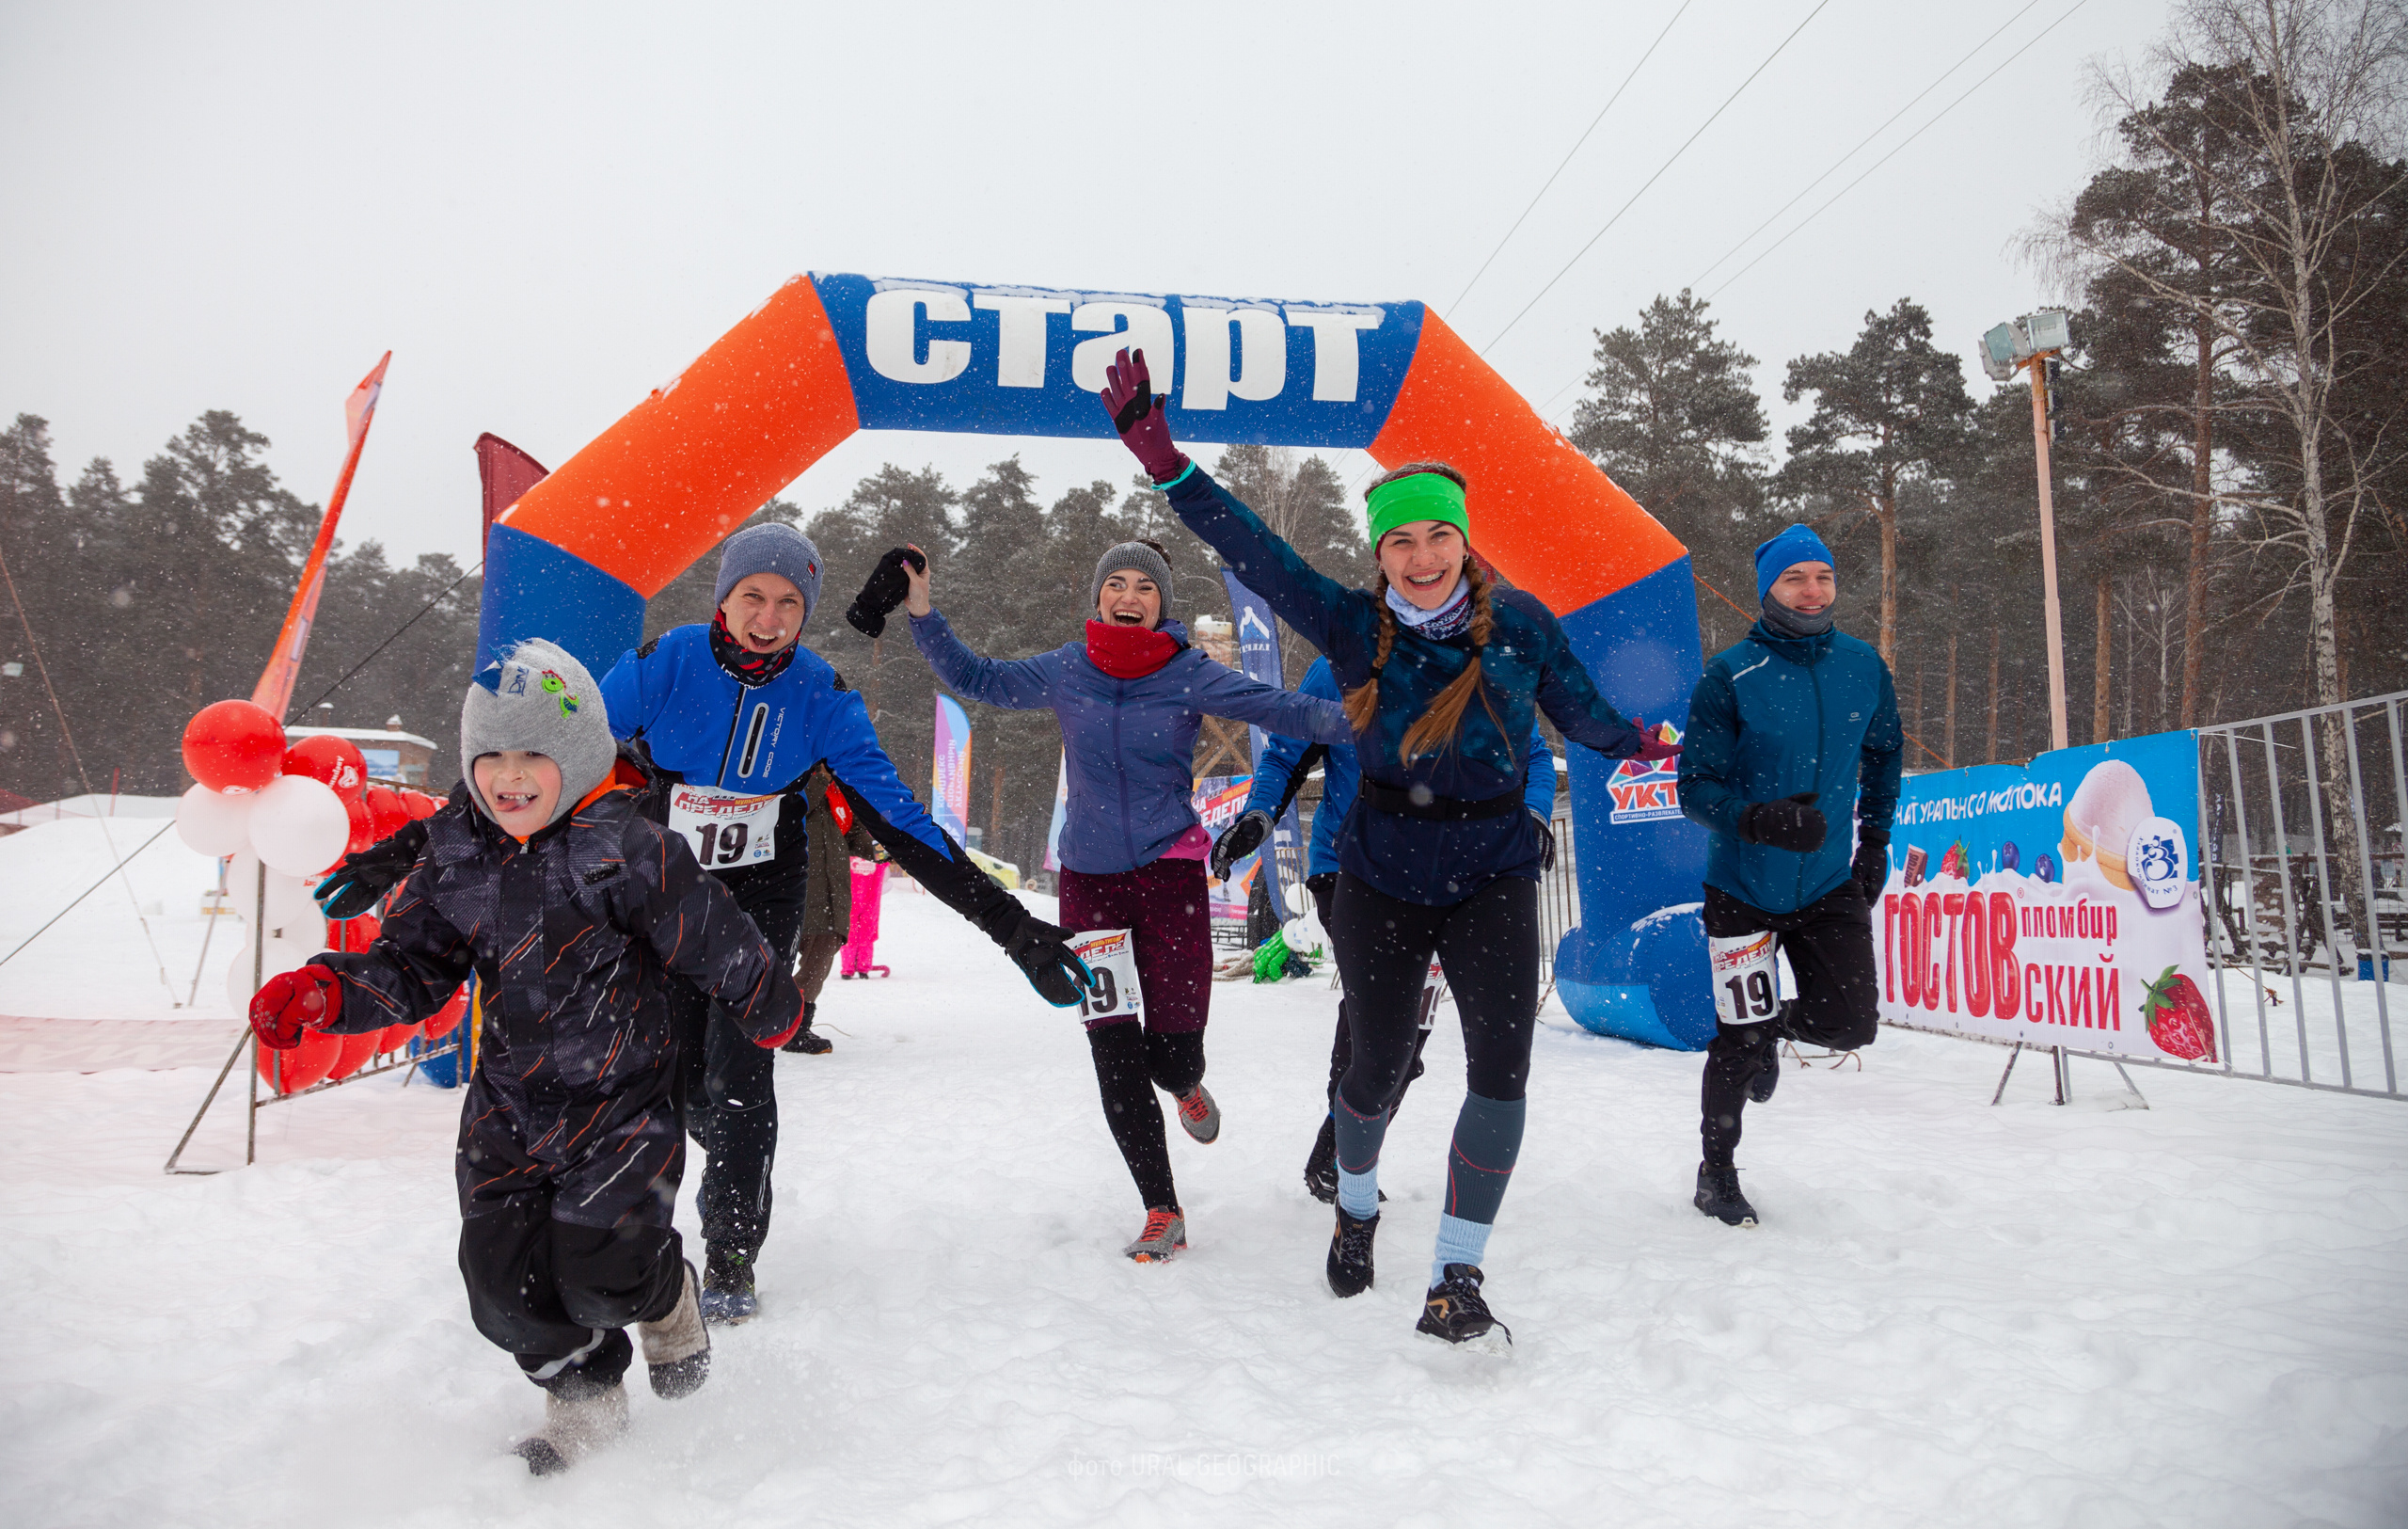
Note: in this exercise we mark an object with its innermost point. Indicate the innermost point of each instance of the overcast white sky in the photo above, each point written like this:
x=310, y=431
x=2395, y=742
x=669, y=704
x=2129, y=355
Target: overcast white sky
x=545, y=211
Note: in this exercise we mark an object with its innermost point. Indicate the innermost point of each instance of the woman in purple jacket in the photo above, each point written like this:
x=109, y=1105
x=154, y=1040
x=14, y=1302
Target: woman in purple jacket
x=1128, y=699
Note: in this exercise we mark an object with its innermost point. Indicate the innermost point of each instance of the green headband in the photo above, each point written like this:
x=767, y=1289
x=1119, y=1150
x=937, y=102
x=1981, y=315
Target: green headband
x=1421, y=496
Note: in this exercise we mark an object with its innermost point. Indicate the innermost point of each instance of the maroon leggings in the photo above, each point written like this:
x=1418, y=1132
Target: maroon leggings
x=1164, y=903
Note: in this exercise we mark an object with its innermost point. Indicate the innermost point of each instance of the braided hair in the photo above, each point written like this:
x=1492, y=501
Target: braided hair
x=1441, y=723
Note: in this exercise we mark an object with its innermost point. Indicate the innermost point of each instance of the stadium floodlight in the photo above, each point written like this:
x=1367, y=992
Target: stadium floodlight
x=1998, y=353
x=2048, y=329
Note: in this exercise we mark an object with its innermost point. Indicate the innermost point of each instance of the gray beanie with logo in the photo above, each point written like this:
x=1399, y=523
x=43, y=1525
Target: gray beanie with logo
x=1143, y=558
x=772, y=546
x=538, y=699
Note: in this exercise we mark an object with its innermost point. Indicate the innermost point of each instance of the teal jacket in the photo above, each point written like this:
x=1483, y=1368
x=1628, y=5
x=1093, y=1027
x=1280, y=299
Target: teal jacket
x=1774, y=716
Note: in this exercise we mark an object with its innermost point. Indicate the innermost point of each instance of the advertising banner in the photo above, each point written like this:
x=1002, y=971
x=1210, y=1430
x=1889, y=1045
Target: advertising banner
x=2056, y=903
x=1258, y=638
x=1218, y=801
x=949, y=788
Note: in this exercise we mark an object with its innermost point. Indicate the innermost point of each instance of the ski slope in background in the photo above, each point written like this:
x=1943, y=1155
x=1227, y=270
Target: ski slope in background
x=2193, y=1315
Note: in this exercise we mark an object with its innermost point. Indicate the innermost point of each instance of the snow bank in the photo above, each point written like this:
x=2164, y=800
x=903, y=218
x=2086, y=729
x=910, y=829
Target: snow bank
x=101, y=960
x=2193, y=1315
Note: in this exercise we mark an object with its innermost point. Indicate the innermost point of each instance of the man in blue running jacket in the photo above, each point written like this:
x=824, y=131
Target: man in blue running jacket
x=1792, y=735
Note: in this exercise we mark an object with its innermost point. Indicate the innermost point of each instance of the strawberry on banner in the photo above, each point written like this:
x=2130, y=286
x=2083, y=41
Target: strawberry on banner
x=2057, y=904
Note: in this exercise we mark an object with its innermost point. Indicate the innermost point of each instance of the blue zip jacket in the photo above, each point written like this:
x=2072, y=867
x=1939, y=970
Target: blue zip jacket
x=1527, y=667
x=710, y=729
x=1773, y=716
x=1129, y=744
x=1276, y=772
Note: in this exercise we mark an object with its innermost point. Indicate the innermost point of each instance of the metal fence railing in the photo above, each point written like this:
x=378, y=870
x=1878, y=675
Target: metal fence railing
x=2302, y=869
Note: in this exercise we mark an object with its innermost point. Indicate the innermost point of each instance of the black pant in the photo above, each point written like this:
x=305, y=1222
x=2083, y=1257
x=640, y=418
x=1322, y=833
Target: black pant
x=1489, y=944
x=730, y=1094
x=1323, y=888
x=1130, y=1063
x=558, y=1295
x=1830, y=945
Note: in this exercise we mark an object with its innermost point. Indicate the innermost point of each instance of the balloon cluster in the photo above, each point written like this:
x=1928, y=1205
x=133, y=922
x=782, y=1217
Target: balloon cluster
x=286, y=816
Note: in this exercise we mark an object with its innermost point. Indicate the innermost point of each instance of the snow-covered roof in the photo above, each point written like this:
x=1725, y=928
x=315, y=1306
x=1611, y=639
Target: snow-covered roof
x=363, y=735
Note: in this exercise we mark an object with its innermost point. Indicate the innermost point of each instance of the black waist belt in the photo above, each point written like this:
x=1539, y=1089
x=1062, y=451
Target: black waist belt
x=1421, y=802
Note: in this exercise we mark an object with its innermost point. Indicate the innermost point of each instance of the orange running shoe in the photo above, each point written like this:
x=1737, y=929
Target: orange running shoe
x=1200, y=1115
x=1166, y=1233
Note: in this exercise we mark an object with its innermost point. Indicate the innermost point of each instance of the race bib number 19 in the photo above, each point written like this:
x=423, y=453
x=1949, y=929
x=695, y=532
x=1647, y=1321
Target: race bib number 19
x=1111, y=955
x=1744, y=987
x=723, y=829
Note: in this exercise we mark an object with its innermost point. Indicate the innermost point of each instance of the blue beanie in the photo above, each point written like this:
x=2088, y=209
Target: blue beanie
x=1795, y=545
x=772, y=546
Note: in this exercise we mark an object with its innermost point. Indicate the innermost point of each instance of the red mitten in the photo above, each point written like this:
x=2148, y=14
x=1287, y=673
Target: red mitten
x=1137, y=412
x=1650, y=746
x=291, y=1004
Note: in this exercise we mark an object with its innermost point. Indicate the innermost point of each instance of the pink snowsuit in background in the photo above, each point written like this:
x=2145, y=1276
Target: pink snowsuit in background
x=870, y=887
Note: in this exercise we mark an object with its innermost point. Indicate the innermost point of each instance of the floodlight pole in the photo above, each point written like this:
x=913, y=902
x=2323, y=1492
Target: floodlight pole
x=2039, y=364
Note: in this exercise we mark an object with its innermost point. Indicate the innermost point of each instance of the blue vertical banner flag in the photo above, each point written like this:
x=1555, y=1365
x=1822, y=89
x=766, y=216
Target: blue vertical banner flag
x=1258, y=640
x=950, y=784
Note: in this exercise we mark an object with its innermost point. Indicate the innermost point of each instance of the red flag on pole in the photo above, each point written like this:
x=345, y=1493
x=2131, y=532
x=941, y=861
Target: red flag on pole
x=275, y=689
x=506, y=472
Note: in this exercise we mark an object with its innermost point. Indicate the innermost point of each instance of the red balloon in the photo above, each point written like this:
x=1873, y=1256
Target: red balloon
x=290, y=1072
x=357, y=1049
x=423, y=805
x=336, y=762
x=354, y=934
x=233, y=746
x=394, y=1037
x=447, y=1018
x=363, y=833
x=387, y=812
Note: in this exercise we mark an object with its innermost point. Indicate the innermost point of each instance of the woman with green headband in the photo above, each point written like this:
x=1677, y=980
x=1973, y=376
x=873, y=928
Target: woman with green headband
x=1444, y=674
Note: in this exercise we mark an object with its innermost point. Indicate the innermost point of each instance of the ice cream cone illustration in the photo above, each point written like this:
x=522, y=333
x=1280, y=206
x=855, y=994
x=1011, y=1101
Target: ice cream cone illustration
x=2108, y=804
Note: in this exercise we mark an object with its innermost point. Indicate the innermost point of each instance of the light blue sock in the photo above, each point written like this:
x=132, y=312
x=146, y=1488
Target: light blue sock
x=1459, y=1242
x=1358, y=1194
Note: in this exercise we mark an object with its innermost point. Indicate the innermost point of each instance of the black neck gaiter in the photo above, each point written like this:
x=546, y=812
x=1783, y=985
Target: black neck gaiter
x=1789, y=623
x=749, y=668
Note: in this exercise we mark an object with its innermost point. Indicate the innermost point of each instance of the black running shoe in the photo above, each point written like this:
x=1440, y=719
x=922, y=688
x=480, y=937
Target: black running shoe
x=1718, y=1196
x=1454, y=1312
x=1767, y=1077
x=809, y=1041
x=1350, y=1253
x=1320, y=1168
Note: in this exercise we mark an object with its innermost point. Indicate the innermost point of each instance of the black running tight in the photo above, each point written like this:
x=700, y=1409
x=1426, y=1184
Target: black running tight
x=1130, y=1063
x=1489, y=943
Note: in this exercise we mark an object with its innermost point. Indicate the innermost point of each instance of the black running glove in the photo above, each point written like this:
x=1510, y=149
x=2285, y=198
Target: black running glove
x=886, y=589
x=1790, y=823
x=1241, y=838
x=1547, y=842
x=357, y=885
x=1043, y=954
x=1871, y=870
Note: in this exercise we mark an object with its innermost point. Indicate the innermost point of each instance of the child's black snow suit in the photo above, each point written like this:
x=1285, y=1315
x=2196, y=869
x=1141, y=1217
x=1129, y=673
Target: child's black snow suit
x=570, y=1150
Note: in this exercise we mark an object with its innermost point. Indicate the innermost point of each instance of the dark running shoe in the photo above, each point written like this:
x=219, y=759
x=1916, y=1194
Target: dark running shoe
x=808, y=1041
x=1454, y=1312
x=1718, y=1196
x=1350, y=1253
x=727, y=1289
x=1767, y=1077
x=1320, y=1168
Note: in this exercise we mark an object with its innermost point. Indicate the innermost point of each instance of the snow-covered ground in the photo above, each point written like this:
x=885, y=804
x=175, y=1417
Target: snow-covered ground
x=2191, y=1314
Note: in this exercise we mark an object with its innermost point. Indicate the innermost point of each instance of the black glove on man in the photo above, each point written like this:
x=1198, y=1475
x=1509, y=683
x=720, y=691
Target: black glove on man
x=886, y=589
x=1043, y=954
x=1871, y=868
x=1240, y=839
x=1790, y=823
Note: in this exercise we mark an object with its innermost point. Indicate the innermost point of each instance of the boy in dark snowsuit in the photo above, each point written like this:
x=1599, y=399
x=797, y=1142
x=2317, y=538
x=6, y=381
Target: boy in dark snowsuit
x=1793, y=729
x=573, y=911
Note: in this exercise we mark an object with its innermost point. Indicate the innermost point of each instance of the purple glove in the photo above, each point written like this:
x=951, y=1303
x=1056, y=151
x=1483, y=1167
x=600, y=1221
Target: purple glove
x=1137, y=414
x=1651, y=747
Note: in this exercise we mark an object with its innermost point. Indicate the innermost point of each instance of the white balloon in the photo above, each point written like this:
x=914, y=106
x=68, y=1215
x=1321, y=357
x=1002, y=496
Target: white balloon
x=282, y=956
x=291, y=911
x=214, y=822
x=299, y=826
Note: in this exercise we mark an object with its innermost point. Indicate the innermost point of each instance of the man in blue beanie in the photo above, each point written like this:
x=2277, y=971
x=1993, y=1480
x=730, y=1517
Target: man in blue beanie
x=1793, y=741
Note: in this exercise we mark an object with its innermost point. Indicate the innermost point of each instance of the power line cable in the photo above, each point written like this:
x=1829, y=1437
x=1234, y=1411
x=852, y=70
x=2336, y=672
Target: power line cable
x=1902, y=144
x=1860, y=143
x=394, y=637
x=1668, y=164
x=1542, y=190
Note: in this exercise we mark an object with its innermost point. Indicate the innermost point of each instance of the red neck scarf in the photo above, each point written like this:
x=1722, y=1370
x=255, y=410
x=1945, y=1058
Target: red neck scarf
x=1128, y=652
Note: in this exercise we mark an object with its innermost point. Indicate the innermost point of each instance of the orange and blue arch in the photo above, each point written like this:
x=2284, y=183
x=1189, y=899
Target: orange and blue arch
x=579, y=555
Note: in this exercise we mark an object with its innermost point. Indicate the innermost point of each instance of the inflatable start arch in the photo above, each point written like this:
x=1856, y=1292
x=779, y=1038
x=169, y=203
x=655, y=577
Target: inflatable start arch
x=576, y=557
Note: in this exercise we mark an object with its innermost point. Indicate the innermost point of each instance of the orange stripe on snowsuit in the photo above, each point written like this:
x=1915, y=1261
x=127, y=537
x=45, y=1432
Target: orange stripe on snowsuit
x=1544, y=514
x=686, y=466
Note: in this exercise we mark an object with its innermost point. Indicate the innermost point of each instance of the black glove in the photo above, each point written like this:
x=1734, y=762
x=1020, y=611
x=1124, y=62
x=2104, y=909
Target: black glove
x=1043, y=954
x=886, y=589
x=1871, y=868
x=362, y=880
x=1790, y=823
x=1547, y=840
x=1240, y=839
